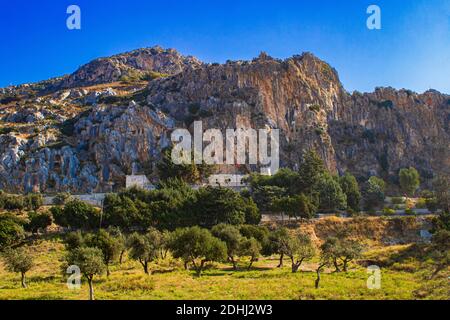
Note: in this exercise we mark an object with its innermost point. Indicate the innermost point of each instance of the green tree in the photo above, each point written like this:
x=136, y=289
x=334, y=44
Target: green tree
x=77, y=214
x=250, y=248
x=374, y=193
x=38, y=221
x=222, y=205
x=277, y=240
x=331, y=196
x=11, y=230
x=264, y=196
x=331, y=252
x=409, y=180
x=121, y=239
x=350, y=187
x=295, y=206
x=90, y=262
x=145, y=248
x=440, y=251
x=341, y=251
x=311, y=171
x=190, y=173
x=197, y=246
x=109, y=246
x=33, y=201
x=232, y=237
x=298, y=248
x=61, y=198
x=18, y=261
x=441, y=187
x=74, y=240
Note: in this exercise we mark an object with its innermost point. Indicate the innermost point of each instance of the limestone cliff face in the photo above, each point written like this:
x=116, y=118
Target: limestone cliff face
x=366, y=134
x=384, y=131
x=296, y=96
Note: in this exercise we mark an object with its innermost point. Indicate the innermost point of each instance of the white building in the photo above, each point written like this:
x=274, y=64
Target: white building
x=140, y=181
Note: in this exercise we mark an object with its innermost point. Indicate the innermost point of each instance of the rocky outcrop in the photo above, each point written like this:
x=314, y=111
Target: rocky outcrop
x=111, y=69
x=367, y=134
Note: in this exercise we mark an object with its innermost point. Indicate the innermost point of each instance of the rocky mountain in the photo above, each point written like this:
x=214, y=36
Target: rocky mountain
x=112, y=117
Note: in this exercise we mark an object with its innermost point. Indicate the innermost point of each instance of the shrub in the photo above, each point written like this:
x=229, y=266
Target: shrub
x=432, y=204
x=38, y=221
x=61, y=198
x=398, y=200
x=421, y=203
x=388, y=211
x=77, y=214
x=409, y=211
x=33, y=201
x=11, y=230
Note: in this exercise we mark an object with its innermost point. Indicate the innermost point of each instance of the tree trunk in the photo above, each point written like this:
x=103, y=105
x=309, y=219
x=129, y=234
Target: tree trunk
x=108, y=273
x=318, y=279
x=121, y=256
x=91, y=289
x=345, y=265
x=234, y=263
x=199, y=269
x=319, y=268
x=24, y=283
x=250, y=265
x=280, y=265
x=296, y=265
x=336, y=265
x=186, y=265
x=146, y=267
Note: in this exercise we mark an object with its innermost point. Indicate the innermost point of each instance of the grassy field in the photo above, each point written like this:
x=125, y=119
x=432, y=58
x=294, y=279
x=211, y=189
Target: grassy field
x=405, y=280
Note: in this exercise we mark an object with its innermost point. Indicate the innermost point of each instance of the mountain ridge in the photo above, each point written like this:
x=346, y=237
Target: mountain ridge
x=85, y=132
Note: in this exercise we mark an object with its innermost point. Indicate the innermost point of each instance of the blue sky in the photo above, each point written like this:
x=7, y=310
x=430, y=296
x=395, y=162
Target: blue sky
x=412, y=50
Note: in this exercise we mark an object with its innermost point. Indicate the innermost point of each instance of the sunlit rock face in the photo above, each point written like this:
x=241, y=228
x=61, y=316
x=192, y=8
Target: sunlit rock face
x=367, y=134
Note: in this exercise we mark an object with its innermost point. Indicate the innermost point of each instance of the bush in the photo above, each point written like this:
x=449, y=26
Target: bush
x=432, y=204
x=61, y=198
x=421, y=203
x=398, y=200
x=388, y=211
x=33, y=201
x=38, y=221
x=409, y=211
x=77, y=214
x=11, y=230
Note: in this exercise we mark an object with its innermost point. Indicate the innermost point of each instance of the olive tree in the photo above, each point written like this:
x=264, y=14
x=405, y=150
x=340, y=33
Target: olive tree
x=197, y=246
x=298, y=248
x=90, y=261
x=250, y=248
x=440, y=251
x=18, y=261
x=109, y=245
x=341, y=251
x=232, y=237
x=145, y=248
x=276, y=242
x=38, y=221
